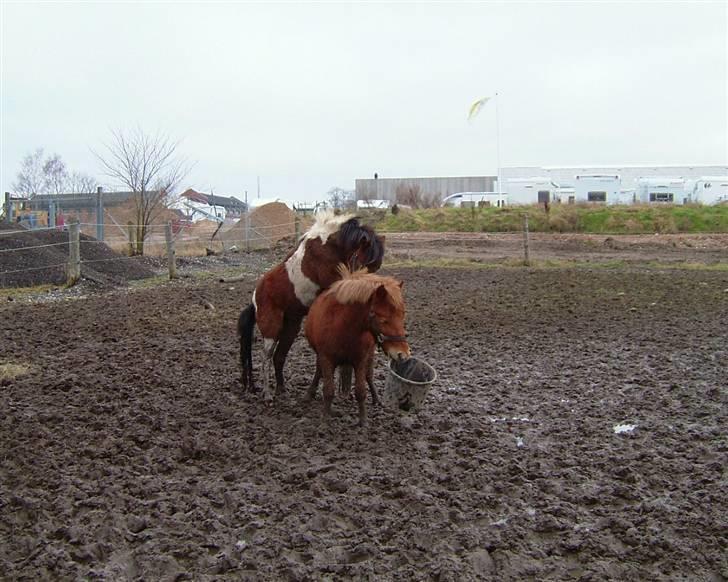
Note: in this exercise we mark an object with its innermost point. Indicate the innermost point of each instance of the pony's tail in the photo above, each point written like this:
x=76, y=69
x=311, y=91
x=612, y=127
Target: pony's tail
x=246, y=326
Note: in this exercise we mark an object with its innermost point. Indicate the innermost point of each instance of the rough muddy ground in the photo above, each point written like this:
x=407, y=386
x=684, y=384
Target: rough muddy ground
x=495, y=247
x=577, y=431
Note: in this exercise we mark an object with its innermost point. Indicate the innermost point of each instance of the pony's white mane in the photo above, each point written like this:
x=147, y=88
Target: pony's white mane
x=327, y=223
x=358, y=287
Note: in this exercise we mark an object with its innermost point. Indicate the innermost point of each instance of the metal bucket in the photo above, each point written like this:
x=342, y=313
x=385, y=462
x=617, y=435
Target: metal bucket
x=408, y=383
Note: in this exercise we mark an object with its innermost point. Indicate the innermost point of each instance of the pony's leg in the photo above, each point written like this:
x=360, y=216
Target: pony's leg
x=327, y=373
x=270, y=324
x=269, y=348
x=345, y=373
x=361, y=371
x=370, y=381
x=291, y=327
x=311, y=394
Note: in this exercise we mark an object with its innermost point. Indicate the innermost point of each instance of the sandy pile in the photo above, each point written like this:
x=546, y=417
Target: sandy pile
x=269, y=224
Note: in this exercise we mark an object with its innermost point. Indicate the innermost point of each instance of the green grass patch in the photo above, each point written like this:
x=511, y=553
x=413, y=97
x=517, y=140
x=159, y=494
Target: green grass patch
x=18, y=292
x=583, y=218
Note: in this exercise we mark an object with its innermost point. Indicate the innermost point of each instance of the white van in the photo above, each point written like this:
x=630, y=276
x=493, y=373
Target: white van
x=475, y=199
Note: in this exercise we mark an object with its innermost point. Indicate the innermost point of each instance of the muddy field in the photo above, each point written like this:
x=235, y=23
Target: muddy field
x=495, y=247
x=577, y=431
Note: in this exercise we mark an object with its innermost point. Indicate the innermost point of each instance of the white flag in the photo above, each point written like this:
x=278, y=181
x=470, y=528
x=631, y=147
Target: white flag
x=475, y=107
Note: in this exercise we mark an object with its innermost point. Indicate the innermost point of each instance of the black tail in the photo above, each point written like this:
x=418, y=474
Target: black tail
x=246, y=326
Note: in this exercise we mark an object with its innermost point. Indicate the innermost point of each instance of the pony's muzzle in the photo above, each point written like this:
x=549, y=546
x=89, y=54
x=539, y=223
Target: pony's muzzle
x=397, y=353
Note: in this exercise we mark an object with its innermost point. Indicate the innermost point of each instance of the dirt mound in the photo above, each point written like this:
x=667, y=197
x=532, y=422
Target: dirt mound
x=44, y=256
x=204, y=229
x=269, y=224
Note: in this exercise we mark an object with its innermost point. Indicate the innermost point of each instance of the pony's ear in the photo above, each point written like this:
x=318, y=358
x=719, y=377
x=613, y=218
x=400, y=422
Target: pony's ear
x=401, y=284
x=381, y=293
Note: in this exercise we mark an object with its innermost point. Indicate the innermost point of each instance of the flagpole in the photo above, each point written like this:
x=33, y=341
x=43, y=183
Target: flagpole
x=497, y=145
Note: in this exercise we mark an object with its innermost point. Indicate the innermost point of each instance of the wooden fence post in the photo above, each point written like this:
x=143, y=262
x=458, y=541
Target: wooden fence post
x=170, y=251
x=74, y=254
x=52, y=214
x=247, y=229
x=132, y=243
x=99, y=214
x=8, y=218
x=526, y=259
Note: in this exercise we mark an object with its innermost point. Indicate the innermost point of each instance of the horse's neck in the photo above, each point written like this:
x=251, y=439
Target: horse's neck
x=320, y=263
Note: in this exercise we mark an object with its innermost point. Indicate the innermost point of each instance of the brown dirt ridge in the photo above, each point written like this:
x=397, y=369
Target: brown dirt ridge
x=576, y=431
x=45, y=255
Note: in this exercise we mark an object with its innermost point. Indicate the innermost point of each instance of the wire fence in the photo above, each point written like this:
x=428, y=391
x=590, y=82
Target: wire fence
x=187, y=240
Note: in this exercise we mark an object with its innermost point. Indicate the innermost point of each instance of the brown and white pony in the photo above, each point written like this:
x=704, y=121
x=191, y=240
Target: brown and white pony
x=283, y=295
x=347, y=322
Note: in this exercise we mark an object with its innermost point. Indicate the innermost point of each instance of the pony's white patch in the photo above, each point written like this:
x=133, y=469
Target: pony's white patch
x=268, y=346
x=255, y=305
x=304, y=289
x=620, y=428
x=327, y=223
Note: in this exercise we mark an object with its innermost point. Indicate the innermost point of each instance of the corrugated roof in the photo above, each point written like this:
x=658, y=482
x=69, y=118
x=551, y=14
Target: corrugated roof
x=81, y=200
x=227, y=202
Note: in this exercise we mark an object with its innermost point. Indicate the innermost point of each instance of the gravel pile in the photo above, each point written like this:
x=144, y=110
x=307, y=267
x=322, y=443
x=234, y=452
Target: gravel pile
x=38, y=257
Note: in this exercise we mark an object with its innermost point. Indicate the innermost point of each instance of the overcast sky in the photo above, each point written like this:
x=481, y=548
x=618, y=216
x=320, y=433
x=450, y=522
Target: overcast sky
x=310, y=96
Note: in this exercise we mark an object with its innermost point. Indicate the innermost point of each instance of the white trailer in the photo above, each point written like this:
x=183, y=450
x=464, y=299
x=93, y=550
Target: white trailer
x=710, y=190
x=661, y=190
x=531, y=190
x=471, y=199
x=597, y=188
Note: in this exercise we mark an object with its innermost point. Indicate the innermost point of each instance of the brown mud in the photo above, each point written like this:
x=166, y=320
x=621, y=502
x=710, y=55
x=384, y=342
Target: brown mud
x=577, y=430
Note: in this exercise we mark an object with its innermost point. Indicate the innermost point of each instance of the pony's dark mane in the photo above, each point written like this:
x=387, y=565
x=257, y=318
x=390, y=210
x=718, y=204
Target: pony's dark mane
x=352, y=235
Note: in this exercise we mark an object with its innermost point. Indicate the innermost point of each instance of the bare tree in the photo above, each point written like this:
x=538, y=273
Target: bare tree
x=81, y=183
x=149, y=166
x=412, y=195
x=30, y=179
x=49, y=175
x=55, y=175
x=336, y=197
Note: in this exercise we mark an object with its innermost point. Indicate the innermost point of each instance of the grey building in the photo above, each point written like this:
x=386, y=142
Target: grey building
x=390, y=188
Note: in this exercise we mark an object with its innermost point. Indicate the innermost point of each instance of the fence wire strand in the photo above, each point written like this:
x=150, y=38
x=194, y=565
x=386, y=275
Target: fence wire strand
x=34, y=268
x=179, y=239
x=35, y=247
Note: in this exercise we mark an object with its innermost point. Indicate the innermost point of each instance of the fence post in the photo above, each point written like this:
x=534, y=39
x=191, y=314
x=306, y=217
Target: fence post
x=247, y=230
x=298, y=227
x=170, y=250
x=526, y=259
x=52, y=214
x=99, y=214
x=6, y=205
x=74, y=254
x=132, y=242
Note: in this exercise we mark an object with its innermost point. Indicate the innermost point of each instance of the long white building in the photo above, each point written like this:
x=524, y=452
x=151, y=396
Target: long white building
x=619, y=184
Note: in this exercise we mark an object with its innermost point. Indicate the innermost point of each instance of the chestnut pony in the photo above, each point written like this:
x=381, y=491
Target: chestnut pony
x=283, y=295
x=345, y=324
